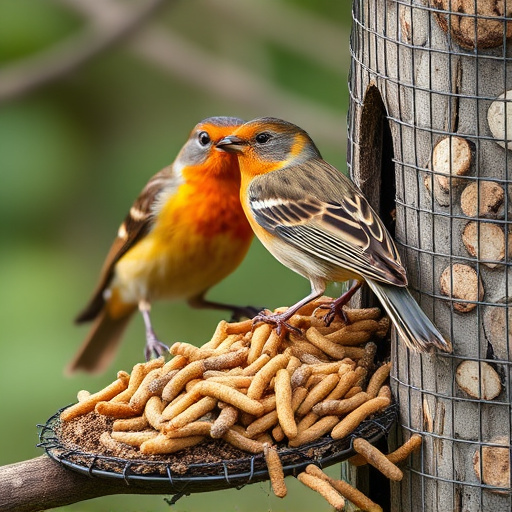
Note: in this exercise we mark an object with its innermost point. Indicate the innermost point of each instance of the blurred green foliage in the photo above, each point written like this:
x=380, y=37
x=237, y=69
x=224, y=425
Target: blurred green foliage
x=27, y=26
x=73, y=156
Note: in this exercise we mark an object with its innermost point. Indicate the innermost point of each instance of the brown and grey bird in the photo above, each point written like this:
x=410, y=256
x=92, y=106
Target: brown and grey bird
x=315, y=221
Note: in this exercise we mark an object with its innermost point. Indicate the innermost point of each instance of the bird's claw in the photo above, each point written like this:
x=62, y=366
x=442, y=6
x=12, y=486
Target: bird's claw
x=154, y=347
x=278, y=322
x=334, y=309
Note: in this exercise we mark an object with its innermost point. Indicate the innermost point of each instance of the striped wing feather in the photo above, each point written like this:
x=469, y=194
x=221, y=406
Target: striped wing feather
x=135, y=226
x=315, y=208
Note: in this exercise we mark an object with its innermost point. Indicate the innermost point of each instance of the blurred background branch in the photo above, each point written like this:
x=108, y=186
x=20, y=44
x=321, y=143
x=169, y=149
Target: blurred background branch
x=107, y=28
x=111, y=21
x=281, y=23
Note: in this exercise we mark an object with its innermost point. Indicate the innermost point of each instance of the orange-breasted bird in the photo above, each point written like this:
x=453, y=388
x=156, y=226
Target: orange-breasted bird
x=315, y=221
x=184, y=233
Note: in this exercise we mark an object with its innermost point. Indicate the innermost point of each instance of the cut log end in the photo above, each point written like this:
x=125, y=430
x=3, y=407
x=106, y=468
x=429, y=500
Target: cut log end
x=470, y=31
x=499, y=118
x=485, y=241
x=494, y=468
x=462, y=282
x=483, y=199
x=478, y=381
x=452, y=156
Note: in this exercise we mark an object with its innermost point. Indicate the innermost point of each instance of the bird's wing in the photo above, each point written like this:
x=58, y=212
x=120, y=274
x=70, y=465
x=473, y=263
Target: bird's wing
x=135, y=226
x=313, y=207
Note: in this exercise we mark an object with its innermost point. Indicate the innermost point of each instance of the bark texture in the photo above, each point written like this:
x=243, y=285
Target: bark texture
x=41, y=483
x=413, y=86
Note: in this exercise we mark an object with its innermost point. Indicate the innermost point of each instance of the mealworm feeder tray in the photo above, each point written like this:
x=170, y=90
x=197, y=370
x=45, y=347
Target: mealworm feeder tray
x=201, y=477
x=206, y=419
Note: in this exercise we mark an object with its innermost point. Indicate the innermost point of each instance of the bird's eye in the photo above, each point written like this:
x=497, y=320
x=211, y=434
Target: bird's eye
x=261, y=138
x=204, y=138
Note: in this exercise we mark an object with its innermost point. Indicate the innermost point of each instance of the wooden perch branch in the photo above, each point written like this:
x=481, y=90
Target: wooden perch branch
x=41, y=483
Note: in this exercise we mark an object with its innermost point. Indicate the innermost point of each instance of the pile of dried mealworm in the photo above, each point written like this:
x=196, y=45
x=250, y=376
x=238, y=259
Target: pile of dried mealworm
x=252, y=388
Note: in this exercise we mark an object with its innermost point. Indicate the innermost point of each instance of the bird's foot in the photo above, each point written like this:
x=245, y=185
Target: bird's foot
x=154, y=347
x=277, y=320
x=333, y=310
x=335, y=307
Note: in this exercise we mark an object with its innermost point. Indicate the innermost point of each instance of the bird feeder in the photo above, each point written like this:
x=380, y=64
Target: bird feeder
x=430, y=144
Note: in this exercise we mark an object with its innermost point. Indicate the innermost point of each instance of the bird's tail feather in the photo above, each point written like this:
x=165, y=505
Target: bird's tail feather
x=412, y=324
x=101, y=344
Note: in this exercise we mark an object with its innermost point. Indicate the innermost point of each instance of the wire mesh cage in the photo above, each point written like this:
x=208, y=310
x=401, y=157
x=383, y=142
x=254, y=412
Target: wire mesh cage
x=431, y=121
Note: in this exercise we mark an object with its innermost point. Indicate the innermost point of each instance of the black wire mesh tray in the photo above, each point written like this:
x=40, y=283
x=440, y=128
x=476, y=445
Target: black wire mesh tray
x=209, y=476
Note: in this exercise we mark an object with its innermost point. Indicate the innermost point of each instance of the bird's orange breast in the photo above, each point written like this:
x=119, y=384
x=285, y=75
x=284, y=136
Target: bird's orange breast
x=215, y=209
x=199, y=237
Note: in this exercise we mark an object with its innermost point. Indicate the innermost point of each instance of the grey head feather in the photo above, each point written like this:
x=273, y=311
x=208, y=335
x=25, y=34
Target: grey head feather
x=195, y=152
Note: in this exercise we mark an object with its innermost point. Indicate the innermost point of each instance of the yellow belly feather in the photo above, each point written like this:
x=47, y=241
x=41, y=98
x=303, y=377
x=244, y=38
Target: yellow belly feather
x=197, y=240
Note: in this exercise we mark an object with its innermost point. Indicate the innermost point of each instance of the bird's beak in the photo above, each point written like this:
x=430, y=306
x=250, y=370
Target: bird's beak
x=230, y=144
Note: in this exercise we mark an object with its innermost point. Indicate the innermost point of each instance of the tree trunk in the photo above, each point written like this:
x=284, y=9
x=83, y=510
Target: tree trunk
x=422, y=85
